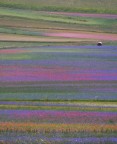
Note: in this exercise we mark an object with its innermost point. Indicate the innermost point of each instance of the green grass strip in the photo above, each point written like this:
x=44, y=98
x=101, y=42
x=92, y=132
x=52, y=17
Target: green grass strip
x=86, y=6
x=67, y=108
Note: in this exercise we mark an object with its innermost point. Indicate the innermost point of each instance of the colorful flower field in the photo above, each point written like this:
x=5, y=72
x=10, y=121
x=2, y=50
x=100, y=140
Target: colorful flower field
x=58, y=126
x=58, y=72
x=58, y=94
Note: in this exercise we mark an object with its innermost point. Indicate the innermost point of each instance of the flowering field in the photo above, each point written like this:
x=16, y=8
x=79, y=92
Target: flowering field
x=58, y=94
x=58, y=72
x=58, y=126
x=57, y=86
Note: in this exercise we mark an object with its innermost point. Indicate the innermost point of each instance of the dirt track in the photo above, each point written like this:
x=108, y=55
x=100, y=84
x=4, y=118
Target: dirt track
x=59, y=36
x=85, y=35
x=13, y=37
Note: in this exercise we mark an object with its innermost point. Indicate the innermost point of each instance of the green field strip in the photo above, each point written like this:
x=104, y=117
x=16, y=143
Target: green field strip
x=66, y=108
x=25, y=14
x=92, y=6
x=64, y=19
x=14, y=44
x=74, y=101
x=36, y=26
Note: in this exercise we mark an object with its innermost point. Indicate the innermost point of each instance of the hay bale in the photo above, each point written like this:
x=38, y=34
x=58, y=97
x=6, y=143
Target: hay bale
x=99, y=44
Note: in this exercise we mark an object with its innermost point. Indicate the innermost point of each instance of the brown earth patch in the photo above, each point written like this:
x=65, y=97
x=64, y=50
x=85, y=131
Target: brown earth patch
x=13, y=37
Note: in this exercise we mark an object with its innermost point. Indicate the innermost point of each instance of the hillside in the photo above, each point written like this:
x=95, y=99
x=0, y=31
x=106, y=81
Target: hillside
x=89, y=6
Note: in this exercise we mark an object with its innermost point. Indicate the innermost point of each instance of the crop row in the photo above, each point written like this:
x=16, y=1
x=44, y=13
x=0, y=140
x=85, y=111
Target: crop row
x=34, y=127
x=78, y=108
x=53, y=116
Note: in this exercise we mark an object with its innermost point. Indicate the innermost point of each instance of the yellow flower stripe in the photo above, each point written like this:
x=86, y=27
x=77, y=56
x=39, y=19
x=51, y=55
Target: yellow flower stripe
x=47, y=127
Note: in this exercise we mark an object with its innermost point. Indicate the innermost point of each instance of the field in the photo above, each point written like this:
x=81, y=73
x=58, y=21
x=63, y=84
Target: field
x=91, y=6
x=58, y=72
x=58, y=122
x=56, y=85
